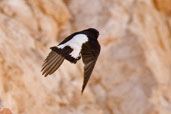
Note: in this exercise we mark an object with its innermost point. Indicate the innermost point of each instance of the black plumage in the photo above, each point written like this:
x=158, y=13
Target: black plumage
x=79, y=44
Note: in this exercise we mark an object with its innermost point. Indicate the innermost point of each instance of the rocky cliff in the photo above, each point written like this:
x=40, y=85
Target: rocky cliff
x=132, y=74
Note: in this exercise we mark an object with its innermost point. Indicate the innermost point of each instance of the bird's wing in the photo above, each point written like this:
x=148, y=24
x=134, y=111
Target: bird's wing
x=89, y=57
x=52, y=63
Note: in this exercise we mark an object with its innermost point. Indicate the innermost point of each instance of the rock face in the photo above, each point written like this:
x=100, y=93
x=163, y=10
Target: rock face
x=5, y=111
x=132, y=74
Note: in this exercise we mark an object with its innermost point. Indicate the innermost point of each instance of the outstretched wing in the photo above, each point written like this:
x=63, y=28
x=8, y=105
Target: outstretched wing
x=89, y=54
x=52, y=63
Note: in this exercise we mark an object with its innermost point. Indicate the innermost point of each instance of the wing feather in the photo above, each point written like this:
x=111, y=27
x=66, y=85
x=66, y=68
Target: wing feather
x=56, y=66
x=89, y=57
x=52, y=63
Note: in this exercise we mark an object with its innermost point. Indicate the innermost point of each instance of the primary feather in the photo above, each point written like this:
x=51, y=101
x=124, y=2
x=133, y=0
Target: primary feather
x=79, y=44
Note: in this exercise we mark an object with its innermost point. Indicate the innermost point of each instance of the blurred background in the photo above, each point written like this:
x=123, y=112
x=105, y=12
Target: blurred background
x=132, y=74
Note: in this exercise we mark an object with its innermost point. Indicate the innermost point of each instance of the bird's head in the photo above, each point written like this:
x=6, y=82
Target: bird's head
x=92, y=32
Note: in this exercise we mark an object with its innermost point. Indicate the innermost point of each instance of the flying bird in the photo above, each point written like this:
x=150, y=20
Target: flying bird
x=79, y=44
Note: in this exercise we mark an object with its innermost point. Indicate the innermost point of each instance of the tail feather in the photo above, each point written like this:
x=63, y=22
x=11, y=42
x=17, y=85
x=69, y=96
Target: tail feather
x=52, y=63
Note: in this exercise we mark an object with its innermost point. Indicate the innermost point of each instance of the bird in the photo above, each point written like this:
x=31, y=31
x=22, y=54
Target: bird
x=82, y=44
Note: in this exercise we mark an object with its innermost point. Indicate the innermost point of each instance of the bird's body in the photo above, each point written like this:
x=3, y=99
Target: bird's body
x=76, y=44
x=80, y=44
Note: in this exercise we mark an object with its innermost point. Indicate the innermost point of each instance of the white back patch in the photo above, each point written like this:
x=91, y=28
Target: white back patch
x=75, y=43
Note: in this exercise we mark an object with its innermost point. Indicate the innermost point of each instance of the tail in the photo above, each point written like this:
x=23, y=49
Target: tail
x=52, y=63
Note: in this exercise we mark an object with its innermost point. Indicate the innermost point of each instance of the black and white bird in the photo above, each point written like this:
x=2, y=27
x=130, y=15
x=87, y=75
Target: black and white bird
x=79, y=44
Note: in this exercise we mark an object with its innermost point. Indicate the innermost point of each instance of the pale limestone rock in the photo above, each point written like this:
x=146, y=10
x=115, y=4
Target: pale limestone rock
x=132, y=74
x=5, y=111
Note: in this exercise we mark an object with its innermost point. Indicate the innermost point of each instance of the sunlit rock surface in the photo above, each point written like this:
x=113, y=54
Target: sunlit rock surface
x=132, y=74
